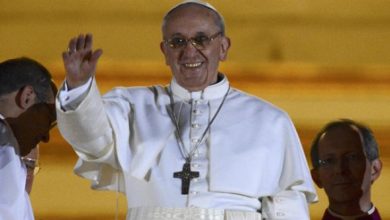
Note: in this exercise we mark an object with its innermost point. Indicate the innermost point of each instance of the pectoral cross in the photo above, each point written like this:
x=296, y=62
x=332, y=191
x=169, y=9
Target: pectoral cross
x=185, y=175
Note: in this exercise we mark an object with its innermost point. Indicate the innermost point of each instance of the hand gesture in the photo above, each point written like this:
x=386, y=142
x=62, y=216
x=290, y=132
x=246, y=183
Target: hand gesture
x=80, y=60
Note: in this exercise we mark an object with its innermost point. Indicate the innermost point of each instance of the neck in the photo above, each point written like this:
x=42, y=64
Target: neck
x=351, y=208
x=8, y=112
x=217, y=79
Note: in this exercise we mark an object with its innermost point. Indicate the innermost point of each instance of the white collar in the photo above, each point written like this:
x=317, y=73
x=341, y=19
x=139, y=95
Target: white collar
x=2, y=117
x=214, y=91
x=369, y=212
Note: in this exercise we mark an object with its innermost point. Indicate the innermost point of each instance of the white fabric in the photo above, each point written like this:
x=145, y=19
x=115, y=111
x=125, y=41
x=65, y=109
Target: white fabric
x=158, y=213
x=372, y=210
x=126, y=141
x=14, y=200
x=68, y=97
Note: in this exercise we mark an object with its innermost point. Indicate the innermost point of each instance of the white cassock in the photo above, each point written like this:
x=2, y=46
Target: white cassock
x=14, y=200
x=250, y=160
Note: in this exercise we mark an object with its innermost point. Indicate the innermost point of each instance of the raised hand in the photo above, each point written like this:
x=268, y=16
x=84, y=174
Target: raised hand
x=80, y=60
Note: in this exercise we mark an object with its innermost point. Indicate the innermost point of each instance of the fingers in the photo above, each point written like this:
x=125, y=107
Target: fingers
x=80, y=60
x=95, y=55
x=72, y=45
x=80, y=48
x=80, y=43
x=88, y=41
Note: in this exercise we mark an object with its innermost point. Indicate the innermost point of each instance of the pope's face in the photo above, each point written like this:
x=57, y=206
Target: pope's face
x=347, y=176
x=194, y=68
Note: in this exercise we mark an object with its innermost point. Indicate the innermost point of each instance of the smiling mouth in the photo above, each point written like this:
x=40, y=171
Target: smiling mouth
x=192, y=65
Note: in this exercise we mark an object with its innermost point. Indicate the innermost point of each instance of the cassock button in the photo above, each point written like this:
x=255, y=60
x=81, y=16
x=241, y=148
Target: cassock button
x=199, y=102
x=194, y=140
x=194, y=193
x=196, y=111
x=195, y=125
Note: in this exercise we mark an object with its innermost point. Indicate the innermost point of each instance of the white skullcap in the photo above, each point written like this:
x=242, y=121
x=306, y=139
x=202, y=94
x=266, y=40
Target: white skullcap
x=198, y=2
x=201, y=3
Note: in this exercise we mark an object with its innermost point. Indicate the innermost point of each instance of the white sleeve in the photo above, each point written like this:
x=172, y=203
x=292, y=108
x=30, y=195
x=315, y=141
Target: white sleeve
x=87, y=127
x=292, y=201
x=14, y=201
x=70, y=99
x=288, y=204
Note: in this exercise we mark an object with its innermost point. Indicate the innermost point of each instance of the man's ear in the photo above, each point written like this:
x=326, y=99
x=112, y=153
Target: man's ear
x=163, y=50
x=376, y=168
x=225, y=45
x=316, y=177
x=26, y=97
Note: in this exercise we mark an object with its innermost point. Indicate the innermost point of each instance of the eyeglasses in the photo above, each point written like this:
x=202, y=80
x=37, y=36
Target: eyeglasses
x=351, y=159
x=199, y=42
x=32, y=165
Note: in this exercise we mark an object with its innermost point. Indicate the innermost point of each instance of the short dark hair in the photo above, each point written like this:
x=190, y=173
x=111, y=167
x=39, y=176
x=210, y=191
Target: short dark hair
x=370, y=145
x=219, y=21
x=19, y=72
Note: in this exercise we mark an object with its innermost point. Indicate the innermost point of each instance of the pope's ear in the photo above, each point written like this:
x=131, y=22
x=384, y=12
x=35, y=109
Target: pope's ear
x=163, y=49
x=26, y=97
x=316, y=177
x=376, y=168
x=225, y=45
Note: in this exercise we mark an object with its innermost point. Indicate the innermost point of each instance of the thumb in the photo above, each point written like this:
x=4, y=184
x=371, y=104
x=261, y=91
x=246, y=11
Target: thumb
x=65, y=56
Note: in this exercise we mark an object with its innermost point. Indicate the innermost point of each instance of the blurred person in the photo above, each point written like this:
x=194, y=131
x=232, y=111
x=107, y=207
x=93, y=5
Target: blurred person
x=346, y=163
x=197, y=148
x=27, y=113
